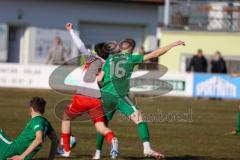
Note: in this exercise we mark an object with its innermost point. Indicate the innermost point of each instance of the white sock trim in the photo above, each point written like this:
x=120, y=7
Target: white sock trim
x=146, y=146
x=98, y=151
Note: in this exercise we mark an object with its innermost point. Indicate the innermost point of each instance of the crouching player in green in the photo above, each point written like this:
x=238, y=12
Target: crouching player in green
x=237, y=130
x=115, y=75
x=30, y=141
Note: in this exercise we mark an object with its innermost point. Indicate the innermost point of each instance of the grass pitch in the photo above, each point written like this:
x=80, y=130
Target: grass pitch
x=182, y=128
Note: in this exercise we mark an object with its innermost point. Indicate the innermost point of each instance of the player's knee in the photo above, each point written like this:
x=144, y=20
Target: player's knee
x=66, y=117
x=139, y=121
x=66, y=122
x=66, y=126
x=101, y=128
x=136, y=117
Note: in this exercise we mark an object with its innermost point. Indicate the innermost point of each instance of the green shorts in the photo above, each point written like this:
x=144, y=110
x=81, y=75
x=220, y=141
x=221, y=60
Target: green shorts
x=7, y=149
x=112, y=103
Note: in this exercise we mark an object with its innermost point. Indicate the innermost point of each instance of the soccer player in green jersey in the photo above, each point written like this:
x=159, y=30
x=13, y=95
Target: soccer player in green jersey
x=115, y=75
x=237, y=130
x=30, y=141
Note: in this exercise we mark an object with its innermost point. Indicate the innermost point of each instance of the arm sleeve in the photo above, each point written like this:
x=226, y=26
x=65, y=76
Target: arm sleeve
x=49, y=56
x=65, y=53
x=206, y=65
x=190, y=65
x=137, y=58
x=224, y=66
x=79, y=43
x=38, y=126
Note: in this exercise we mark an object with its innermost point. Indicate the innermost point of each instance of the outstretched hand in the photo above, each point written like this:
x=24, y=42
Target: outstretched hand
x=69, y=26
x=178, y=43
x=17, y=157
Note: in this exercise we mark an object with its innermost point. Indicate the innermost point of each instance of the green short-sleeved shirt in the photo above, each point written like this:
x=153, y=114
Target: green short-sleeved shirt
x=25, y=139
x=118, y=70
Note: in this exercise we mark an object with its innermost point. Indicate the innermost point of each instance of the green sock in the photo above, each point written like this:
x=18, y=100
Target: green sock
x=143, y=132
x=238, y=123
x=100, y=140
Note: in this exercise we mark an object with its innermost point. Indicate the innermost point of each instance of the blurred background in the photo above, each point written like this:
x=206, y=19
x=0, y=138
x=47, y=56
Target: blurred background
x=192, y=122
x=33, y=38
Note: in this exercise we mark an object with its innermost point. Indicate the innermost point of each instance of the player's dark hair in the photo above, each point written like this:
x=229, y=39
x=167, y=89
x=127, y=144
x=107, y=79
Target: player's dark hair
x=111, y=47
x=100, y=51
x=128, y=44
x=132, y=41
x=38, y=104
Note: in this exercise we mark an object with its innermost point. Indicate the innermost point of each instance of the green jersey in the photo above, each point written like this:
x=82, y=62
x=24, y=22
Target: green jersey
x=118, y=70
x=25, y=139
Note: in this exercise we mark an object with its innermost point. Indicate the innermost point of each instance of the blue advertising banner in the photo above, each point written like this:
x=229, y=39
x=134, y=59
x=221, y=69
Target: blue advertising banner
x=216, y=86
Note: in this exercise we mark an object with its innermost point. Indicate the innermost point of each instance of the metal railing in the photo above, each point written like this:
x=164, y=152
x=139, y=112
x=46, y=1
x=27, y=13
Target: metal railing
x=209, y=16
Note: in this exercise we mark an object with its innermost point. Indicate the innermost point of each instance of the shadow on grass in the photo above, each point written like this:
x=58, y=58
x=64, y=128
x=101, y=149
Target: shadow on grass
x=186, y=157
x=189, y=157
x=74, y=157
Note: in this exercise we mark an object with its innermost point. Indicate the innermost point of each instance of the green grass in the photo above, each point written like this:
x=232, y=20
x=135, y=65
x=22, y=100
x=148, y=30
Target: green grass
x=195, y=128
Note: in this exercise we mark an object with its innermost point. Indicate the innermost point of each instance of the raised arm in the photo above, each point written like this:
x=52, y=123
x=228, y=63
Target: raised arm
x=37, y=141
x=161, y=51
x=79, y=43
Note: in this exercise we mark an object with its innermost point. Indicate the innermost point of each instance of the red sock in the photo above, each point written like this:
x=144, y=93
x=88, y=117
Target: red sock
x=66, y=141
x=109, y=136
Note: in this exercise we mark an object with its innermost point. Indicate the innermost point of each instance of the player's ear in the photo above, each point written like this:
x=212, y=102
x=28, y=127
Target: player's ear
x=30, y=109
x=132, y=50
